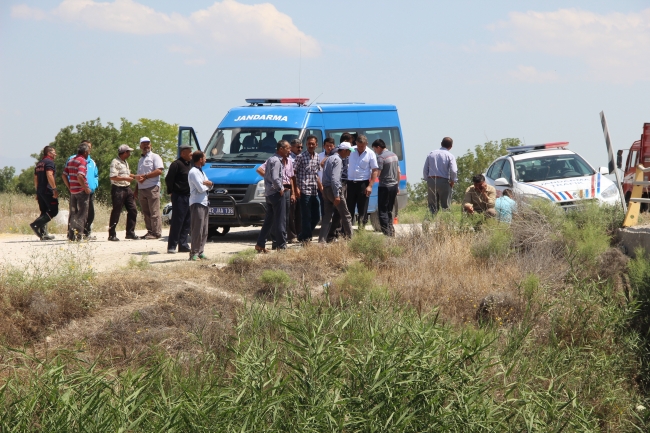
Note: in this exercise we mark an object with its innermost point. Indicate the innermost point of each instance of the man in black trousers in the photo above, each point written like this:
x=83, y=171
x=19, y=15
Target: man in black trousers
x=122, y=194
x=179, y=188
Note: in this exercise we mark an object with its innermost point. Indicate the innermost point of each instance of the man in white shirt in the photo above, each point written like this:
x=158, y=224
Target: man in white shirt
x=147, y=190
x=199, y=210
x=362, y=174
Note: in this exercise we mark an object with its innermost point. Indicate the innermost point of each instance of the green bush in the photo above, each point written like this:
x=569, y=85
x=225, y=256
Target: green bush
x=275, y=279
x=242, y=261
x=358, y=282
x=372, y=247
x=495, y=241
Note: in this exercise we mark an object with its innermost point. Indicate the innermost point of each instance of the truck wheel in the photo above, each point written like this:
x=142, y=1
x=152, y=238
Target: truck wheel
x=214, y=231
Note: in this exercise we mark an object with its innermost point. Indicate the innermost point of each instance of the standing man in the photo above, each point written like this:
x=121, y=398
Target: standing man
x=122, y=194
x=46, y=193
x=289, y=183
x=480, y=197
x=389, y=175
x=199, y=187
x=332, y=193
x=362, y=173
x=308, y=186
x=335, y=228
x=74, y=177
x=440, y=173
x=328, y=149
x=93, y=183
x=147, y=190
x=179, y=188
x=276, y=193
x=294, y=224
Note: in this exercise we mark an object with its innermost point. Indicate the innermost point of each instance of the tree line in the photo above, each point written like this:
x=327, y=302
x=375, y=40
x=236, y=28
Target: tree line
x=105, y=140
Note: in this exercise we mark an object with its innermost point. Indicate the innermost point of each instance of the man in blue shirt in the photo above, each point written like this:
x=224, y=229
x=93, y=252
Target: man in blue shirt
x=505, y=206
x=93, y=182
x=199, y=206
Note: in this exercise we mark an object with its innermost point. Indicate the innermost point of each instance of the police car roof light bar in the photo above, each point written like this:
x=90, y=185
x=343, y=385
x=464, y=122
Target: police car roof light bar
x=522, y=149
x=299, y=101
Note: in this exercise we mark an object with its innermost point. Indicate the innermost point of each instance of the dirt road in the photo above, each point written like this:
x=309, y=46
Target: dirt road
x=21, y=250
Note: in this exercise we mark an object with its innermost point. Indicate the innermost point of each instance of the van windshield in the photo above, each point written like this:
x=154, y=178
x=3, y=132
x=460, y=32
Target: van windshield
x=551, y=167
x=246, y=144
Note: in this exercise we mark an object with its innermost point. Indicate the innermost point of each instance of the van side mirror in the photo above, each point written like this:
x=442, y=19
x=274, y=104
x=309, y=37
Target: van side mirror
x=501, y=182
x=603, y=170
x=619, y=158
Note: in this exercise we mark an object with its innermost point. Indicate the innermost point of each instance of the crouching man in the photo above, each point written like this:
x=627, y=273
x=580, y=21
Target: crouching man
x=480, y=197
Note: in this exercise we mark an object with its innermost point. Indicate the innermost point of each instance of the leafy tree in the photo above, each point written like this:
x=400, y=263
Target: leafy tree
x=417, y=193
x=106, y=139
x=476, y=162
x=7, y=179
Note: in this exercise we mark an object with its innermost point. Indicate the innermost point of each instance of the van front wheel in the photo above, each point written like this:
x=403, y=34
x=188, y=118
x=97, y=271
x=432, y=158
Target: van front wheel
x=214, y=231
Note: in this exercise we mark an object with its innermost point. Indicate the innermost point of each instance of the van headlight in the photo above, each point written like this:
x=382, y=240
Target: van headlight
x=609, y=192
x=260, y=190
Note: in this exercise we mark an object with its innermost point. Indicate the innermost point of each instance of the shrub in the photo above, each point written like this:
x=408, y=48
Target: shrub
x=373, y=247
x=242, y=261
x=495, y=241
x=358, y=282
x=274, y=281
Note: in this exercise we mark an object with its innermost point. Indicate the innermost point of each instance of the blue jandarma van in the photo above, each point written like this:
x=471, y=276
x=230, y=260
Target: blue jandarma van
x=248, y=136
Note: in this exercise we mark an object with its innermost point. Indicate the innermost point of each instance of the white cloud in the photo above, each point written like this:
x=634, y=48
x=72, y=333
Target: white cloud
x=614, y=46
x=530, y=74
x=226, y=26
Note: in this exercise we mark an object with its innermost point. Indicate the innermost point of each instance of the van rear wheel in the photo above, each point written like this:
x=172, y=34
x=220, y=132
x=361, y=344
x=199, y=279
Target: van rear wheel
x=374, y=218
x=214, y=231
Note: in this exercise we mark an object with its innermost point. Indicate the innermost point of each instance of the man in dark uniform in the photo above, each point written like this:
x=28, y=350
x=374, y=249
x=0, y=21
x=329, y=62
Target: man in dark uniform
x=46, y=193
x=179, y=188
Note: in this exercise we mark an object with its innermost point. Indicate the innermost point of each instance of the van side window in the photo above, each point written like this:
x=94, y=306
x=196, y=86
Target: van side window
x=506, y=171
x=391, y=137
x=316, y=133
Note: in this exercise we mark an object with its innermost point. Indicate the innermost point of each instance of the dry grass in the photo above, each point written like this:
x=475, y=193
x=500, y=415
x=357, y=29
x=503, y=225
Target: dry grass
x=17, y=211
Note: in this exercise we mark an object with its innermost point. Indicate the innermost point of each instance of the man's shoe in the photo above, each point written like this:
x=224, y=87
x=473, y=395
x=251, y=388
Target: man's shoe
x=184, y=250
x=194, y=258
x=48, y=237
x=113, y=238
x=203, y=256
x=261, y=249
x=171, y=251
x=132, y=236
x=36, y=231
x=90, y=237
x=149, y=236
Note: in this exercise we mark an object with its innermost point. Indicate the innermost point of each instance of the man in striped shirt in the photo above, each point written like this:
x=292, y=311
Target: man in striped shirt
x=389, y=175
x=74, y=177
x=306, y=168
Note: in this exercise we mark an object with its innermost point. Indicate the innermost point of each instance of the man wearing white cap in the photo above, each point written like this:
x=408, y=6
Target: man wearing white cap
x=122, y=194
x=147, y=191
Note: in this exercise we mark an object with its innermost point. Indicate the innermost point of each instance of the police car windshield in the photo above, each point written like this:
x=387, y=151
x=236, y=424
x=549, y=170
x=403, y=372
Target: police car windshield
x=246, y=144
x=551, y=167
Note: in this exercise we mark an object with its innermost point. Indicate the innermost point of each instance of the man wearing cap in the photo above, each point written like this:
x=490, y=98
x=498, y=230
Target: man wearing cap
x=179, y=188
x=93, y=182
x=332, y=193
x=147, y=190
x=122, y=194
x=362, y=173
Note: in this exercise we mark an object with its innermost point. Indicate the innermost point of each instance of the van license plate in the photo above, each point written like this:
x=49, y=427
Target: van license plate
x=222, y=211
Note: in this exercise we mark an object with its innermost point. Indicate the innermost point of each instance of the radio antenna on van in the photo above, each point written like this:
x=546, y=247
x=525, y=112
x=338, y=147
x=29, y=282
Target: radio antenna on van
x=321, y=94
x=299, y=67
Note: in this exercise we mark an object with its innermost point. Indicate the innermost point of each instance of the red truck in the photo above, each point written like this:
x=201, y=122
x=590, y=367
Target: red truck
x=639, y=153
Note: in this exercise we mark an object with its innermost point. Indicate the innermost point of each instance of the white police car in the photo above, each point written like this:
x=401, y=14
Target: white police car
x=552, y=172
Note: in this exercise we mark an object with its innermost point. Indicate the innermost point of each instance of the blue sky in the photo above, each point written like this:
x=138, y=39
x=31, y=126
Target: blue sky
x=475, y=71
